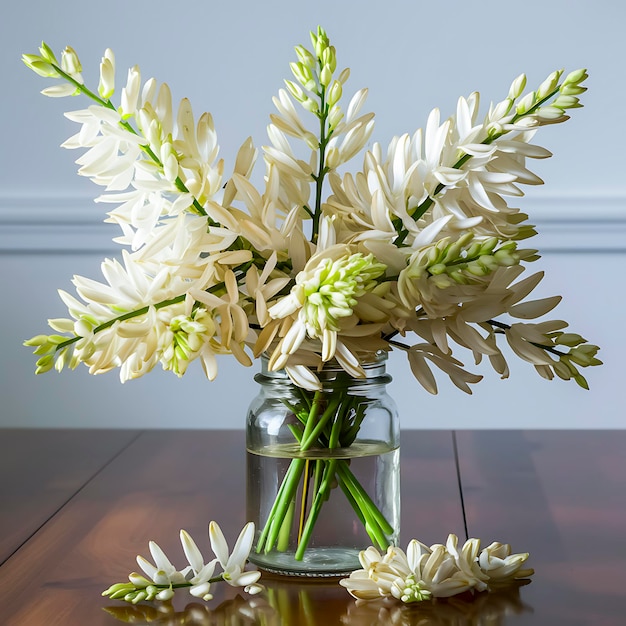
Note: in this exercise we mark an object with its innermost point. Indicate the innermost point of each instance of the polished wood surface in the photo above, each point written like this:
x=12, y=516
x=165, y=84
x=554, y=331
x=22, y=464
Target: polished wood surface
x=77, y=506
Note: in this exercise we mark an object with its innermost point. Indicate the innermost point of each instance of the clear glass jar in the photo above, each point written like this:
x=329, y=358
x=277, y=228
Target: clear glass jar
x=323, y=473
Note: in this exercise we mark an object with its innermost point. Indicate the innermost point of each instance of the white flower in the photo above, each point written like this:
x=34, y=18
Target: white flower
x=326, y=292
x=436, y=572
x=162, y=572
x=234, y=563
x=202, y=573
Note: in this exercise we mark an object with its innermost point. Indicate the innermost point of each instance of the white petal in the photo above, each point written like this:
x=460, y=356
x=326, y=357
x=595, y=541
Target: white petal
x=218, y=543
x=193, y=554
x=242, y=546
x=147, y=567
x=205, y=573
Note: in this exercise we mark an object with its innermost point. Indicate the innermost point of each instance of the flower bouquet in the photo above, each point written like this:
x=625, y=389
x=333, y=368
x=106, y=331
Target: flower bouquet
x=318, y=268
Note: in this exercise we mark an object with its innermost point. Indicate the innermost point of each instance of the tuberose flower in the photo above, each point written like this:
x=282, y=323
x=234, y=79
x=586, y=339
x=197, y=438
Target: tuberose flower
x=438, y=571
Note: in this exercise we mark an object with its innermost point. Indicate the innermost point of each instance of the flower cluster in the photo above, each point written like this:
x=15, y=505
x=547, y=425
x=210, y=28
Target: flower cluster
x=418, y=250
x=162, y=579
x=440, y=571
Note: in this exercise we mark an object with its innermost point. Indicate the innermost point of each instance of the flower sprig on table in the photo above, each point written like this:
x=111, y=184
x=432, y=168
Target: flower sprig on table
x=419, y=574
x=438, y=571
x=316, y=265
x=163, y=579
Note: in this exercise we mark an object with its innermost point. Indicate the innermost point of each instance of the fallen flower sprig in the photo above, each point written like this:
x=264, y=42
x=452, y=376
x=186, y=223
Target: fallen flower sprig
x=440, y=571
x=162, y=579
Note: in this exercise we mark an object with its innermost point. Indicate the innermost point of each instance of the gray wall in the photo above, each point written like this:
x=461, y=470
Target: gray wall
x=230, y=58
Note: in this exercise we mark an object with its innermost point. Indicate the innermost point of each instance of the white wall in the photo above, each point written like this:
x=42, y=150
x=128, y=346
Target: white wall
x=230, y=58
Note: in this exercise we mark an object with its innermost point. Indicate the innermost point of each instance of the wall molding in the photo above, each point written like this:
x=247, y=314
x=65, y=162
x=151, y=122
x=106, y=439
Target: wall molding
x=55, y=223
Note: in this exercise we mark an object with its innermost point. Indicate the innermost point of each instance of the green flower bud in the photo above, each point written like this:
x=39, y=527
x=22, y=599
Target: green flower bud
x=44, y=364
x=320, y=41
x=296, y=91
x=438, y=268
x=39, y=66
x=572, y=90
x=476, y=269
x=562, y=370
x=576, y=77
x=569, y=339
x=329, y=58
x=37, y=340
x=517, y=86
x=326, y=75
x=334, y=93
x=301, y=72
x=305, y=57
x=549, y=85
x=488, y=246
x=488, y=262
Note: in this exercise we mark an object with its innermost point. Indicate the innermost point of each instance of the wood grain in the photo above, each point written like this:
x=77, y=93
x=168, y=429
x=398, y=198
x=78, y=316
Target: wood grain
x=40, y=470
x=562, y=497
x=165, y=481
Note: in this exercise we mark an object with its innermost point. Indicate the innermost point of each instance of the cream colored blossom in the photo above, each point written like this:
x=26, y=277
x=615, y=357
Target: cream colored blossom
x=438, y=571
x=414, y=250
x=326, y=291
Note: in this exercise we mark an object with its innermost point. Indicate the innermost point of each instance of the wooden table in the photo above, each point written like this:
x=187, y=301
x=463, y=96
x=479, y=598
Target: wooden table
x=77, y=506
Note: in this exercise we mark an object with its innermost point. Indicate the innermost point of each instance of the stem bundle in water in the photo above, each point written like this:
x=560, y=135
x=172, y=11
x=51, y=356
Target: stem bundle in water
x=327, y=427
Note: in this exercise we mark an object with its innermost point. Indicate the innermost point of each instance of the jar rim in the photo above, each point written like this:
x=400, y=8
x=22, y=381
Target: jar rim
x=332, y=374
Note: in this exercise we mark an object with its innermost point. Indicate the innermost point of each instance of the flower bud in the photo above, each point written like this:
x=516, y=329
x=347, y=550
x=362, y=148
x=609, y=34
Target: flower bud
x=302, y=73
x=517, y=86
x=46, y=52
x=70, y=63
x=572, y=90
x=576, y=77
x=44, y=364
x=335, y=115
x=334, y=93
x=567, y=102
x=569, y=339
x=106, y=86
x=502, y=109
x=305, y=57
x=525, y=103
x=326, y=76
x=344, y=75
x=40, y=66
x=310, y=105
x=138, y=580
x=549, y=113
x=296, y=91
x=165, y=594
x=549, y=84
x=329, y=58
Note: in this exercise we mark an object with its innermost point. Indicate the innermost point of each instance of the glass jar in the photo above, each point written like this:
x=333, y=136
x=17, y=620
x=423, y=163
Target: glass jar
x=323, y=472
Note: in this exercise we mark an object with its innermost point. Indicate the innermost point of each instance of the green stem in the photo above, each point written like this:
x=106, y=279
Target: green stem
x=357, y=489
x=283, y=500
x=307, y=442
x=321, y=170
x=504, y=327
x=316, y=507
